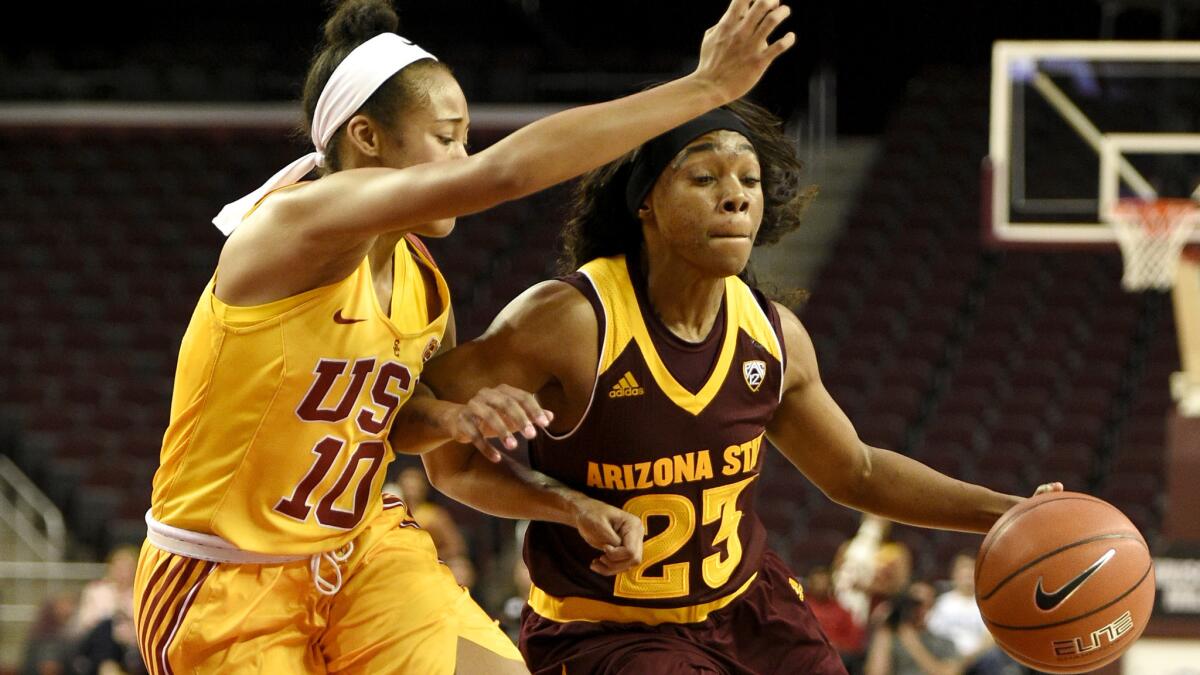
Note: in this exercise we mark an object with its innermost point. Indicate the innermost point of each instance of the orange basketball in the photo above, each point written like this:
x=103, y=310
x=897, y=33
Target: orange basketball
x=1065, y=582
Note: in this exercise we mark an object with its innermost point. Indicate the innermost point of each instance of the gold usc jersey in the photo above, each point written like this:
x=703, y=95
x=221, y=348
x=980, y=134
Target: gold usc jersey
x=278, y=439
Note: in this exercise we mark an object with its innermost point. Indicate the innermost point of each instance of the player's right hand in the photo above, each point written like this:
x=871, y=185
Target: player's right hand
x=497, y=412
x=617, y=533
x=737, y=50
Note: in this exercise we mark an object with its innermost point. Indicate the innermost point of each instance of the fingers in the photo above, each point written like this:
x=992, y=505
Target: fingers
x=498, y=413
x=603, y=566
x=476, y=438
x=780, y=46
x=616, y=559
x=1049, y=487
x=467, y=429
x=736, y=9
x=771, y=21
x=489, y=422
x=757, y=11
x=628, y=553
x=529, y=406
x=632, y=533
x=621, y=554
x=599, y=533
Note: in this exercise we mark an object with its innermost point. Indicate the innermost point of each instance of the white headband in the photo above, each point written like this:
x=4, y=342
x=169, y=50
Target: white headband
x=354, y=80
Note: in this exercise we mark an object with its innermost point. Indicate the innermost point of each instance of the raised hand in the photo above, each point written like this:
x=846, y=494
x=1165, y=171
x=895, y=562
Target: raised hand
x=737, y=50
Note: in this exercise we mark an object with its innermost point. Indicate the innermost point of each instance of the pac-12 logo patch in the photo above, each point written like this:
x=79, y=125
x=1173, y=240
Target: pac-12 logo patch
x=754, y=372
x=430, y=349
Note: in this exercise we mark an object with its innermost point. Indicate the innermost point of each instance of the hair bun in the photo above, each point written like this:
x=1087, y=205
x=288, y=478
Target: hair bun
x=356, y=21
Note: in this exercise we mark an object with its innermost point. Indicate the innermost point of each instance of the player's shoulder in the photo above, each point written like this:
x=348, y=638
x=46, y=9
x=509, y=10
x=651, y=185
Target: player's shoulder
x=802, y=357
x=552, y=309
x=793, y=328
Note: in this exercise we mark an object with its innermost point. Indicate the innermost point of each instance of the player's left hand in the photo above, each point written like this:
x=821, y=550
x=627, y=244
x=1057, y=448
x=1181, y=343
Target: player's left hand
x=617, y=533
x=1048, y=487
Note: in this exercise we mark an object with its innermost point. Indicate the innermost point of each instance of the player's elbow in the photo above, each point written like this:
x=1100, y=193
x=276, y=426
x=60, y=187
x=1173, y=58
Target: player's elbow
x=437, y=472
x=445, y=467
x=851, y=485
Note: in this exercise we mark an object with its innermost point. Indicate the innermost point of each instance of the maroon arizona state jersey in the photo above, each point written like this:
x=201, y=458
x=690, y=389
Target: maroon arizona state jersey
x=674, y=434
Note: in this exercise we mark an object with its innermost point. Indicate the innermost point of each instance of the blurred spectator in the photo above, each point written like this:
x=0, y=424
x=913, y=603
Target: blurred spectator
x=854, y=567
x=110, y=648
x=955, y=616
x=48, y=648
x=435, y=520
x=847, y=636
x=102, y=598
x=893, y=572
x=901, y=643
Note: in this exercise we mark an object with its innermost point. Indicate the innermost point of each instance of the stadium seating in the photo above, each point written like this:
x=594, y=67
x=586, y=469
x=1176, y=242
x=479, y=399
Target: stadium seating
x=1026, y=366
x=1006, y=368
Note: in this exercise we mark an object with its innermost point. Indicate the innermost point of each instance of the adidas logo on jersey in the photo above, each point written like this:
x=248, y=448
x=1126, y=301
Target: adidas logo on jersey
x=628, y=386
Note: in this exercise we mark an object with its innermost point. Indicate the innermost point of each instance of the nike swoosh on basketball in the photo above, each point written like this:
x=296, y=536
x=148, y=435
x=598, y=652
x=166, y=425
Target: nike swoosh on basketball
x=338, y=318
x=1048, y=601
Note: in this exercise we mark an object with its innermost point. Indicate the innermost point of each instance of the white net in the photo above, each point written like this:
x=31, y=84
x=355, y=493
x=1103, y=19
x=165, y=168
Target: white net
x=1152, y=234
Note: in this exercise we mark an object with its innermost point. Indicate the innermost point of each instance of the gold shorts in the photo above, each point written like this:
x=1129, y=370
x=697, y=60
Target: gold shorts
x=398, y=610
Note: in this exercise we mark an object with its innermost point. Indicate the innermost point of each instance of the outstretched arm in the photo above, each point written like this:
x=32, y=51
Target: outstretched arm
x=814, y=434
x=541, y=339
x=303, y=238
x=363, y=203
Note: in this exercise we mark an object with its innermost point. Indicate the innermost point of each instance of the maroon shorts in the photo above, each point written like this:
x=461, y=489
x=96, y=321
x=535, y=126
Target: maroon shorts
x=766, y=630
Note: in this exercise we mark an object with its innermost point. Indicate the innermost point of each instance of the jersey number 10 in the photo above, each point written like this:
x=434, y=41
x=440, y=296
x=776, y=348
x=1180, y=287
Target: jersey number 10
x=368, y=420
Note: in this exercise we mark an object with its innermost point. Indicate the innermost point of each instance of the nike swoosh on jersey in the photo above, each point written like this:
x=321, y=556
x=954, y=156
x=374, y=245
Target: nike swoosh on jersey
x=1048, y=601
x=338, y=318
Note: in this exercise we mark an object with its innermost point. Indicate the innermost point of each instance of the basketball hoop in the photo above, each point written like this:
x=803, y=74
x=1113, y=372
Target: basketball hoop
x=1152, y=234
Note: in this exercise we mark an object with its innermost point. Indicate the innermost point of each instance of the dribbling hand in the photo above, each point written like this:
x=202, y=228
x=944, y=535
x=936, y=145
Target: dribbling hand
x=737, y=50
x=1048, y=487
x=617, y=533
x=497, y=412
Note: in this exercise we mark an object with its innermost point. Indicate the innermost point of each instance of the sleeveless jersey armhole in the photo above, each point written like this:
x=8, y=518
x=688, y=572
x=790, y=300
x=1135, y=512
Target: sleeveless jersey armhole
x=244, y=317
x=413, y=249
x=582, y=283
x=421, y=249
x=772, y=313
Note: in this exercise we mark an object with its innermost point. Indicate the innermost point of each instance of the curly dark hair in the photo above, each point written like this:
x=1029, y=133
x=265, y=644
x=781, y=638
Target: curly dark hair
x=599, y=223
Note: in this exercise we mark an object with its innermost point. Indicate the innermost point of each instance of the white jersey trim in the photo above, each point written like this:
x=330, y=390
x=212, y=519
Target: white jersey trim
x=207, y=546
x=774, y=336
x=599, y=362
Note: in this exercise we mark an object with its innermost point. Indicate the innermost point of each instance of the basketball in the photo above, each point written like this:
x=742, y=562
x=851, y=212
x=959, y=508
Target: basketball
x=1065, y=582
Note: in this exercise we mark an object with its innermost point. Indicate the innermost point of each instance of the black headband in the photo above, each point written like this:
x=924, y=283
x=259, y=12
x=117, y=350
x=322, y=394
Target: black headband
x=658, y=152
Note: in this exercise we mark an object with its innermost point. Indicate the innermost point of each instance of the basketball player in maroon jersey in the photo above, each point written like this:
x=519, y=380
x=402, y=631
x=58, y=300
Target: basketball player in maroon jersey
x=666, y=372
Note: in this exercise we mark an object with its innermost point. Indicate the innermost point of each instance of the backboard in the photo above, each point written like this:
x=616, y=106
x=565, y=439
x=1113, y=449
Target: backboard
x=1076, y=126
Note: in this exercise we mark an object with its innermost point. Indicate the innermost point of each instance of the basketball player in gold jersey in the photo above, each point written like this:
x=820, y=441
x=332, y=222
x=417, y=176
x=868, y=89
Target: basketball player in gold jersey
x=666, y=372
x=270, y=547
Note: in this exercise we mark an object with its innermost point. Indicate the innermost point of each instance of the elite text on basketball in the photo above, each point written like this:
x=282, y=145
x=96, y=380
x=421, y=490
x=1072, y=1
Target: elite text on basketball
x=1113, y=632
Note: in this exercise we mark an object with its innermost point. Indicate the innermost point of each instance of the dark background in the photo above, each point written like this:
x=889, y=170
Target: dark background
x=531, y=50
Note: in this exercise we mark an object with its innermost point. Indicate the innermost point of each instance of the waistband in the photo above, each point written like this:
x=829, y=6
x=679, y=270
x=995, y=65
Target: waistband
x=208, y=546
x=567, y=609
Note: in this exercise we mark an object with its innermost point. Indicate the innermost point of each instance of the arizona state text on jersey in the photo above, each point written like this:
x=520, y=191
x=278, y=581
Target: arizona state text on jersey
x=674, y=434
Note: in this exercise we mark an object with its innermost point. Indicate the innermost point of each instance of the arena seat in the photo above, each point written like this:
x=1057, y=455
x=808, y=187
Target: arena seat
x=930, y=342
